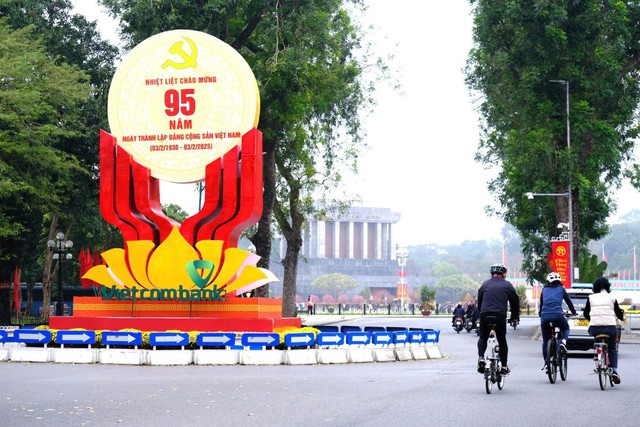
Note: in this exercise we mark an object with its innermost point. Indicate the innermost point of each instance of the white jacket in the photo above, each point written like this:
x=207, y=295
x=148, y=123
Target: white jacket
x=602, y=313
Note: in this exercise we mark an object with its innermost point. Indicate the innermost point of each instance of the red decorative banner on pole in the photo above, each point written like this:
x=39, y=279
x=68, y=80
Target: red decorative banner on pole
x=560, y=261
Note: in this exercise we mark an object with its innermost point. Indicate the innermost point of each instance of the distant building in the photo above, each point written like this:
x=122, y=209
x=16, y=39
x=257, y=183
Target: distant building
x=358, y=243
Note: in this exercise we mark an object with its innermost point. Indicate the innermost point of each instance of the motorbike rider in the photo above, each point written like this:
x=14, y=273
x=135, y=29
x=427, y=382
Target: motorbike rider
x=551, y=299
x=457, y=312
x=493, y=297
x=472, y=312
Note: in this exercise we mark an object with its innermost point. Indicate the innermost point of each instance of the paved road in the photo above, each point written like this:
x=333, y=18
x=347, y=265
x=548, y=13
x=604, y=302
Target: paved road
x=444, y=392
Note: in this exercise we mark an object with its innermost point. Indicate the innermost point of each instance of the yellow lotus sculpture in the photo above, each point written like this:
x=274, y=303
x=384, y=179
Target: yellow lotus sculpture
x=176, y=264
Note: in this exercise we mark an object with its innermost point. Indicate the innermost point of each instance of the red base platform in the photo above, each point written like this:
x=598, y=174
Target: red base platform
x=233, y=315
x=185, y=324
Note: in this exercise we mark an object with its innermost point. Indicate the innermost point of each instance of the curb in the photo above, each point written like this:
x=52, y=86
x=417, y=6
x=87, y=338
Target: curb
x=109, y=356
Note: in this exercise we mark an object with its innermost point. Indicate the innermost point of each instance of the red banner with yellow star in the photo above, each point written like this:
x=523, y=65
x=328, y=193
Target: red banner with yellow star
x=560, y=262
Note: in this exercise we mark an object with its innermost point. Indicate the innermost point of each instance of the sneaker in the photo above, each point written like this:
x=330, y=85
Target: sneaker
x=563, y=347
x=481, y=365
x=615, y=378
x=546, y=368
x=505, y=370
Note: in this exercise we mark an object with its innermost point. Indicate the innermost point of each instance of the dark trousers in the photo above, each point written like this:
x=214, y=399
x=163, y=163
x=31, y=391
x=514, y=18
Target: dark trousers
x=500, y=322
x=559, y=320
x=612, y=331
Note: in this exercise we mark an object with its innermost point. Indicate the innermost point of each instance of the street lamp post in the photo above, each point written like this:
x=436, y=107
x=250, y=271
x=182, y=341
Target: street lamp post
x=568, y=224
x=59, y=247
x=402, y=253
x=571, y=234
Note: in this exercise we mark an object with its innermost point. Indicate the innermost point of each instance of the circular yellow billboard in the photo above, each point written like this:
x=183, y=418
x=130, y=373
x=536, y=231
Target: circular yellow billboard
x=180, y=100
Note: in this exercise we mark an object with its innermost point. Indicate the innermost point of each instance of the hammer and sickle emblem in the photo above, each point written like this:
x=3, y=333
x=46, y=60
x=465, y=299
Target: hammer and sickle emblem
x=189, y=60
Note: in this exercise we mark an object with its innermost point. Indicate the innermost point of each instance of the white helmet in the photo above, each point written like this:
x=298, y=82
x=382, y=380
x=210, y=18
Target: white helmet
x=553, y=277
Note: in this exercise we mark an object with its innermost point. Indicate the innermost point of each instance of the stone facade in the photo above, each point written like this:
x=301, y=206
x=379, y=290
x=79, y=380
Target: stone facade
x=358, y=243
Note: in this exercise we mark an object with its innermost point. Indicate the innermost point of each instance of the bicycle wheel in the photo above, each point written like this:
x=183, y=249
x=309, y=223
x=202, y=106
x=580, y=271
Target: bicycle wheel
x=488, y=376
x=602, y=372
x=552, y=367
x=562, y=359
x=499, y=376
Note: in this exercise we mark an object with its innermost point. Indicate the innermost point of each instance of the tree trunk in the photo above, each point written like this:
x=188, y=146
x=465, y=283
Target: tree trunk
x=293, y=234
x=290, y=264
x=262, y=237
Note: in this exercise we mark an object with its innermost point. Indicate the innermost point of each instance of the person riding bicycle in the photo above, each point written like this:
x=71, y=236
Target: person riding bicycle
x=601, y=310
x=457, y=312
x=493, y=297
x=551, y=299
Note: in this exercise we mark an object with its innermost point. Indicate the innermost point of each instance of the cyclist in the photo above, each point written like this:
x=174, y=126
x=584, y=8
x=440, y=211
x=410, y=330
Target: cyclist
x=551, y=299
x=493, y=296
x=601, y=310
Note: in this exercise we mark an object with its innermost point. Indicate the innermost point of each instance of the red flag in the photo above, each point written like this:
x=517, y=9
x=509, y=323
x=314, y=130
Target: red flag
x=16, y=290
x=85, y=265
x=635, y=264
x=604, y=256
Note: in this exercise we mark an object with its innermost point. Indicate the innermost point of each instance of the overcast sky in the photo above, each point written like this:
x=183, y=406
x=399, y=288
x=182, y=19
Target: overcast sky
x=422, y=141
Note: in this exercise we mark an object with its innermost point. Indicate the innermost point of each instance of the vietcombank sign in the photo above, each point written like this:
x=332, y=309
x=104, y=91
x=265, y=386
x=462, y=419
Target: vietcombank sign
x=179, y=294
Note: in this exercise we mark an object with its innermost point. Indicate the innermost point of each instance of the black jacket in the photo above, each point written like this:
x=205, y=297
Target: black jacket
x=495, y=294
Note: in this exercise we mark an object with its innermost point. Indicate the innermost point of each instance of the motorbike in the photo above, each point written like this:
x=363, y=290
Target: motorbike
x=470, y=324
x=458, y=324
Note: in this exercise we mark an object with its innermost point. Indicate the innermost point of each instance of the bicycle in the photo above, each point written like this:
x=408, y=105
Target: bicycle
x=601, y=357
x=492, y=374
x=556, y=357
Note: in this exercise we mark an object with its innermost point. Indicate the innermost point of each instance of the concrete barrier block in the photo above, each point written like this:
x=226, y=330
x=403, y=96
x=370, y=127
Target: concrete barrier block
x=419, y=353
x=330, y=356
x=216, y=357
x=169, y=357
x=30, y=354
x=74, y=355
x=301, y=357
x=123, y=356
x=261, y=357
x=4, y=354
x=384, y=355
x=433, y=352
x=403, y=354
x=360, y=355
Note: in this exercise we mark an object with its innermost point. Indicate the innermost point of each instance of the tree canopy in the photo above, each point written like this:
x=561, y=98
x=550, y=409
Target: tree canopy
x=334, y=284
x=40, y=103
x=519, y=49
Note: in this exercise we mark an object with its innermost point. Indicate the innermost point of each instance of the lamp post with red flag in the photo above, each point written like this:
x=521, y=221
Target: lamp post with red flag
x=402, y=253
x=59, y=246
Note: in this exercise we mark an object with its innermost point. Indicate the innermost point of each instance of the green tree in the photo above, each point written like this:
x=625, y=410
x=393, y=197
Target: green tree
x=40, y=103
x=519, y=48
x=521, y=290
x=174, y=211
x=457, y=285
x=334, y=284
x=590, y=267
x=443, y=269
x=66, y=39
x=427, y=298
